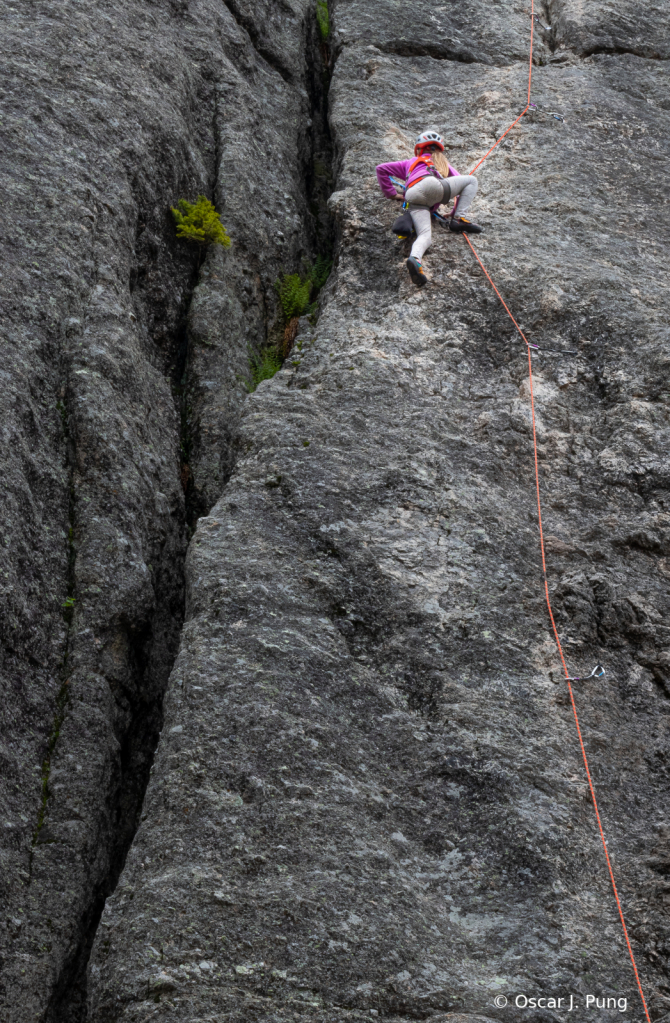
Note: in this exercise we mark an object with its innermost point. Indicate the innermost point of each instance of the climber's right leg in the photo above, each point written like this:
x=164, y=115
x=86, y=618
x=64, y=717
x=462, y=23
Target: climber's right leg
x=463, y=186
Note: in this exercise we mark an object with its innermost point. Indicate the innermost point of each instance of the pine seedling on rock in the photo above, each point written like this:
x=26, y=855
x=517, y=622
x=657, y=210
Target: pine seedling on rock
x=199, y=222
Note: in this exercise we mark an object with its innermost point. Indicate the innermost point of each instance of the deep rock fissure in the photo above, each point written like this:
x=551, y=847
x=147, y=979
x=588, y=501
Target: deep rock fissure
x=142, y=699
x=138, y=742
x=319, y=177
x=254, y=36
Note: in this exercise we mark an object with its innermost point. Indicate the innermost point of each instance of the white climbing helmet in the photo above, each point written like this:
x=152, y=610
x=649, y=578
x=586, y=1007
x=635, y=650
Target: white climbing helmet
x=428, y=138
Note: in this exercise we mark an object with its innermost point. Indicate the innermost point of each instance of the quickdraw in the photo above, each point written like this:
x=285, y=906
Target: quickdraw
x=559, y=351
x=597, y=672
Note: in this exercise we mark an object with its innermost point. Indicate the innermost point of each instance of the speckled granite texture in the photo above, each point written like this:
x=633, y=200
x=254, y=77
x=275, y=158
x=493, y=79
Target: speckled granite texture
x=367, y=800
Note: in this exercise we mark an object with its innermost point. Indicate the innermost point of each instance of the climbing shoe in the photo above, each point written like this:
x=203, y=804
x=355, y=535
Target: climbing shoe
x=460, y=225
x=416, y=272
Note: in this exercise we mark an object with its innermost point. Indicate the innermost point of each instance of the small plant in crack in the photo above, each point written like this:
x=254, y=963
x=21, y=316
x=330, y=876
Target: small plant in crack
x=295, y=292
x=319, y=271
x=323, y=18
x=297, y=296
x=200, y=223
x=263, y=366
x=68, y=608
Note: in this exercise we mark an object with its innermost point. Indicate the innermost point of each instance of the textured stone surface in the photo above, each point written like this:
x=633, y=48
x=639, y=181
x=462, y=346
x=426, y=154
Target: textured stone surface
x=445, y=32
x=586, y=28
x=368, y=796
x=110, y=114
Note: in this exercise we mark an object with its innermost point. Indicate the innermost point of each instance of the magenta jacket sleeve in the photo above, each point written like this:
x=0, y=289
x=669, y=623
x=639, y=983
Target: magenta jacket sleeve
x=384, y=171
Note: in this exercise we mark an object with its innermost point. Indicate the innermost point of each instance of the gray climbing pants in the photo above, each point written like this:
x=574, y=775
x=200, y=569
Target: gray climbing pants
x=426, y=193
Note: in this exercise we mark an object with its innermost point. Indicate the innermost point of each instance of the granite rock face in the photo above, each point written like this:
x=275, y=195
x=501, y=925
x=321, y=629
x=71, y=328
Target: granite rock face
x=110, y=115
x=368, y=798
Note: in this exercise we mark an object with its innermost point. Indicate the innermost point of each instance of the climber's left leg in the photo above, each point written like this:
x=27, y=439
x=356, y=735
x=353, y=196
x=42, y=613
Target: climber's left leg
x=421, y=220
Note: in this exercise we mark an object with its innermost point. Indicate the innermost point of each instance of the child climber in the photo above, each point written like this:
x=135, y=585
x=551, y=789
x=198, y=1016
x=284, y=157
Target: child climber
x=429, y=181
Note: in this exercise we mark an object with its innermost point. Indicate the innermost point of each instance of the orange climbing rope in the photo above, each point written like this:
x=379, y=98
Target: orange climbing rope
x=530, y=72
x=544, y=564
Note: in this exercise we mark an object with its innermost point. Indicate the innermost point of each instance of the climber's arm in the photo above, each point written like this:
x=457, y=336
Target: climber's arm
x=384, y=172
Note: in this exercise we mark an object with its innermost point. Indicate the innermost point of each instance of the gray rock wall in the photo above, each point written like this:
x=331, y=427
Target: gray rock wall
x=367, y=797
x=110, y=115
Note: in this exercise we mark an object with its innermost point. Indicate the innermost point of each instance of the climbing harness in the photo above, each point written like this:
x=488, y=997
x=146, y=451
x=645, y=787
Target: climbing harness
x=403, y=226
x=598, y=671
x=428, y=163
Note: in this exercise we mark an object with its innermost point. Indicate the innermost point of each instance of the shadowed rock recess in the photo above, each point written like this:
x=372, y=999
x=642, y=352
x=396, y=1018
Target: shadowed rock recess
x=321, y=766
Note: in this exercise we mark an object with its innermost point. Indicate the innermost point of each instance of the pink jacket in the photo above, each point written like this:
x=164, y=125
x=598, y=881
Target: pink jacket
x=399, y=170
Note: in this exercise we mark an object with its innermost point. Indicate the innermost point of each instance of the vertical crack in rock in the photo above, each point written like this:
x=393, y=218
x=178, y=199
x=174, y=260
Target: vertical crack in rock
x=161, y=268
x=367, y=795
x=319, y=171
x=140, y=695
x=276, y=212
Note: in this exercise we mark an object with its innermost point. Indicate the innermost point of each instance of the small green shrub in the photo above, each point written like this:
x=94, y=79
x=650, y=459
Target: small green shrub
x=295, y=290
x=318, y=273
x=294, y=294
x=199, y=222
x=323, y=18
x=263, y=366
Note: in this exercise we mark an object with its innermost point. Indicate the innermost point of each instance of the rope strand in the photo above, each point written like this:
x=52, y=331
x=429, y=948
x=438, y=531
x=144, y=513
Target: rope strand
x=542, y=549
x=558, y=641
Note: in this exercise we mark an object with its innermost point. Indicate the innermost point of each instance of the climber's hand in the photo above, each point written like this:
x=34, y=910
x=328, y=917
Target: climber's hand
x=400, y=198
